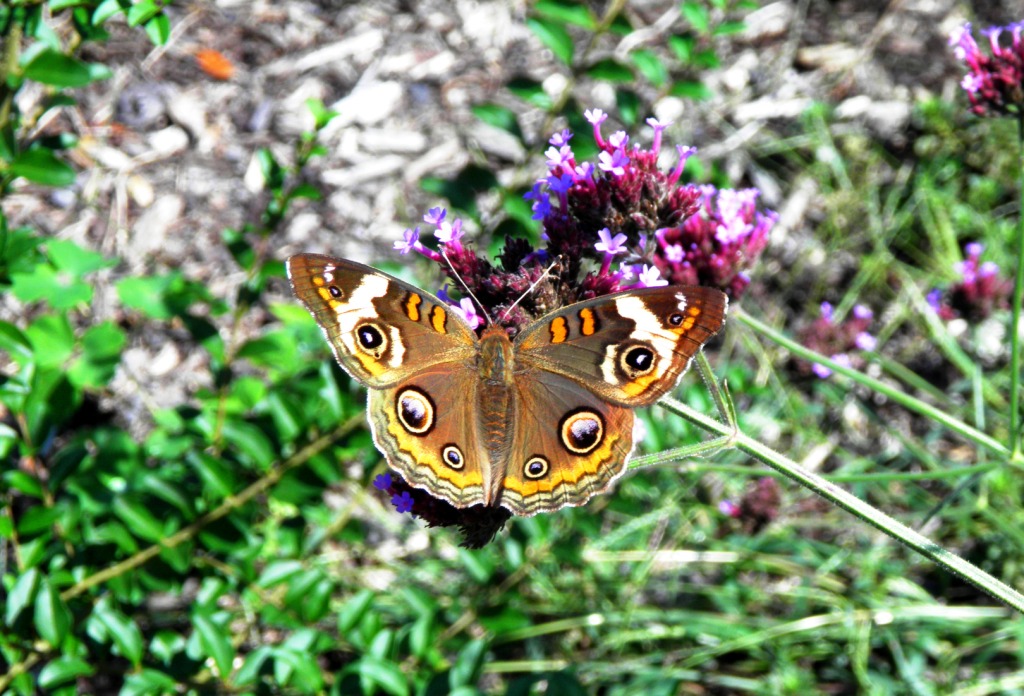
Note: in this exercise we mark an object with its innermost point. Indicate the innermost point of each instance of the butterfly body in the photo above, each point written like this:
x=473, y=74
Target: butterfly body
x=532, y=424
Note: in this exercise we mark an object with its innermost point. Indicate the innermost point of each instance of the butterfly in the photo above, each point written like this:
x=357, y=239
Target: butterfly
x=534, y=423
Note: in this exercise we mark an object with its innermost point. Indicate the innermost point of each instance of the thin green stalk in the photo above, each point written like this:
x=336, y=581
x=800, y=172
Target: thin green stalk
x=857, y=507
x=900, y=397
x=1018, y=298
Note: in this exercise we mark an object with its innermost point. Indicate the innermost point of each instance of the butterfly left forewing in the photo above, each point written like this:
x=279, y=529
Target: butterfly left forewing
x=631, y=347
x=380, y=328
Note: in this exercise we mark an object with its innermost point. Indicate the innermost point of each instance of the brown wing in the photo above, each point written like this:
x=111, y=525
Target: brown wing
x=426, y=426
x=569, y=445
x=631, y=347
x=381, y=329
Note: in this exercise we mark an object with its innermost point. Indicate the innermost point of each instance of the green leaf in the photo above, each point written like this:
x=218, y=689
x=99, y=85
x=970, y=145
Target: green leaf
x=250, y=442
x=51, y=67
x=278, y=572
x=466, y=670
x=691, y=90
x=554, y=36
x=41, y=166
x=728, y=28
x=251, y=667
x=141, y=11
x=52, y=617
x=71, y=258
x=147, y=682
x=101, y=353
x=105, y=10
x=158, y=29
x=15, y=343
x=215, y=643
x=138, y=519
x=530, y=91
x=59, y=290
x=352, y=612
x=63, y=670
x=568, y=13
x=52, y=339
x=321, y=114
x=499, y=117
x=611, y=70
x=147, y=295
x=166, y=644
x=375, y=672
x=22, y=595
x=650, y=66
x=629, y=105
x=696, y=14
x=683, y=46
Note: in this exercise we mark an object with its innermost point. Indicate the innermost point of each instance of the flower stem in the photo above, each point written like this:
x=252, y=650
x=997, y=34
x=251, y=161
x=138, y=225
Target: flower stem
x=854, y=505
x=895, y=394
x=1018, y=298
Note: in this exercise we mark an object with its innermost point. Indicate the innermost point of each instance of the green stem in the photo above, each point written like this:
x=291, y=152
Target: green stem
x=900, y=397
x=869, y=514
x=1018, y=298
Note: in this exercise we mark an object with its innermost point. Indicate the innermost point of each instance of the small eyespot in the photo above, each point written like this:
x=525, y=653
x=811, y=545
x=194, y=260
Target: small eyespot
x=676, y=319
x=335, y=291
x=536, y=467
x=637, y=361
x=452, y=456
x=415, y=411
x=370, y=337
x=582, y=431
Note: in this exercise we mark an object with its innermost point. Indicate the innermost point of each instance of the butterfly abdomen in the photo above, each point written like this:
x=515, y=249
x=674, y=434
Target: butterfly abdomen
x=495, y=395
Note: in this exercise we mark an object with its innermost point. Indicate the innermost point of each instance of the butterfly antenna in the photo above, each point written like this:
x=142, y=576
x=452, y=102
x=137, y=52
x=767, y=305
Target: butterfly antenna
x=504, y=315
x=490, y=321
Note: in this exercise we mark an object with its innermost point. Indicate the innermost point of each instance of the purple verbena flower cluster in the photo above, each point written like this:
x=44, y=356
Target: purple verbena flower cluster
x=610, y=225
x=995, y=83
x=757, y=508
x=977, y=292
x=837, y=339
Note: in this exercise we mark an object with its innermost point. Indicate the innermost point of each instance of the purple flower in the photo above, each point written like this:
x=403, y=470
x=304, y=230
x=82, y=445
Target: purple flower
x=821, y=371
x=994, y=83
x=650, y=277
x=658, y=127
x=978, y=291
x=829, y=336
x=595, y=116
x=558, y=157
x=618, y=140
x=435, y=216
x=865, y=341
x=561, y=138
x=613, y=246
x=410, y=241
x=826, y=311
x=613, y=162
x=560, y=183
x=862, y=312
x=467, y=310
x=382, y=482
x=449, y=233
x=403, y=502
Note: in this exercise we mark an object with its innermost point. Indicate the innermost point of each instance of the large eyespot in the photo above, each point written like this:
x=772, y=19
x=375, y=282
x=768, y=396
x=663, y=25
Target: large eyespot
x=536, y=467
x=371, y=339
x=452, y=456
x=637, y=361
x=582, y=431
x=415, y=411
